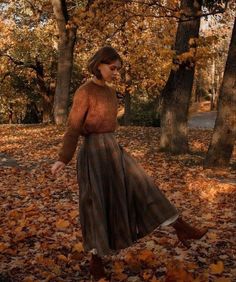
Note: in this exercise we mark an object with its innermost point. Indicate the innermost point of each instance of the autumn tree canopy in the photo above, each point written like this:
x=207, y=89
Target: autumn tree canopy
x=142, y=31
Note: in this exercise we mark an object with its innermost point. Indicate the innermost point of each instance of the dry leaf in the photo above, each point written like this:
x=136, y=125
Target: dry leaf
x=29, y=279
x=3, y=246
x=223, y=279
x=147, y=275
x=217, y=268
x=120, y=276
x=62, y=257
x=76, y=267
x=62, y=224
x=78, y=247
x=74, y=214
x=118, y=267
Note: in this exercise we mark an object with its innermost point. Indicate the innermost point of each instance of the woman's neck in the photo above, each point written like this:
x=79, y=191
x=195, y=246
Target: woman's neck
x=100, y=82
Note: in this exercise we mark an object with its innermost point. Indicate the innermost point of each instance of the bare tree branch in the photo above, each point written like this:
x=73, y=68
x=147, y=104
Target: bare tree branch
x=38, y=68
x=20, y=63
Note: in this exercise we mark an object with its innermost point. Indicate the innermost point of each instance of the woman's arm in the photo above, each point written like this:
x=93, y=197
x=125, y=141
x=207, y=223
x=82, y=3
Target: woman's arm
x=75, y=122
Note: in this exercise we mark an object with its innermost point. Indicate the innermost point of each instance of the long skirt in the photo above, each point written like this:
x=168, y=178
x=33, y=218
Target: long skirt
x=119, y=203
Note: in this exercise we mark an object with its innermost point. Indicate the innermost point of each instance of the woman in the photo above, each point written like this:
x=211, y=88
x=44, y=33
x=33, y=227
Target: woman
x=119, y=203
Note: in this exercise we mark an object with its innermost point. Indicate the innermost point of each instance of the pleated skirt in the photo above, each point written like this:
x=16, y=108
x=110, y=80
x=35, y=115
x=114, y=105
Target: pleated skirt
x=118, y=202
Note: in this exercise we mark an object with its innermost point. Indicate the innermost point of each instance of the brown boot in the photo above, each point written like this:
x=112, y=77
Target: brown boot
x=187, y=232
x=96, y=267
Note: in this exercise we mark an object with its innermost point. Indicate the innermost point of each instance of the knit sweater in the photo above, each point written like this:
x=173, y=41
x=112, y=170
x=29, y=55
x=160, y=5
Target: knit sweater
x=94, y=110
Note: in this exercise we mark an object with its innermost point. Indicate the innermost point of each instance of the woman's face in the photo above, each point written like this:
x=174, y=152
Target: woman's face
x=110, y=71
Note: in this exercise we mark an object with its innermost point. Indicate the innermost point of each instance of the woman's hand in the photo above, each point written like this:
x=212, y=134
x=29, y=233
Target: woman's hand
x=57, y=166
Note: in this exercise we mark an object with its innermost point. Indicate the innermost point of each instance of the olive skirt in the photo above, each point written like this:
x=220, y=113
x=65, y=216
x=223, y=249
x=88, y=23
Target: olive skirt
x=118, y=202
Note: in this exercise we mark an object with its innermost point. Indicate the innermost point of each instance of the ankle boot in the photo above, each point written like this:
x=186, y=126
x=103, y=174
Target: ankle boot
x=187, y=232
x=96, y=267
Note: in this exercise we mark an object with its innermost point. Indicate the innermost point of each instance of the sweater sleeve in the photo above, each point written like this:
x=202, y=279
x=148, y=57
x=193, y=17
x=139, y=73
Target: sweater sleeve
x=75, y=122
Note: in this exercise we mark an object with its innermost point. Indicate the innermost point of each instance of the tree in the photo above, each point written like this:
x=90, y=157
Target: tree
x=67, y=36
x=148, y=29
x=27, y=54
x=222, y=143
x=127, y=99
x=138, y=30
x=67, y=30
x=177, y=91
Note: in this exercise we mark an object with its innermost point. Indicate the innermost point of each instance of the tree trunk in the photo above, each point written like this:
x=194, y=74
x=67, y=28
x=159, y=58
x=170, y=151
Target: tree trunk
x=127, y=113
x=177, y=91
x=47, y=112
x=45, y=92
x=127, y=98
x=67, y=37
x=198, y=91
x=213, y=88
x=222, y=143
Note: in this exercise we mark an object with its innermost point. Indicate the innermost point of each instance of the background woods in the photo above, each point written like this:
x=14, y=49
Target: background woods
x=169, y=50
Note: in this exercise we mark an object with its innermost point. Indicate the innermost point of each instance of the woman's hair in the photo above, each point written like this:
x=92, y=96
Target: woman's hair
x=105, y=55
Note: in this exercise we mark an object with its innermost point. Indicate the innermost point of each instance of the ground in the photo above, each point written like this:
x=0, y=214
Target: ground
x=40, y=234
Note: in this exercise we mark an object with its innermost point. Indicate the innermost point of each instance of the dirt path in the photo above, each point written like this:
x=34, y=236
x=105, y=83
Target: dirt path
x=202, y=120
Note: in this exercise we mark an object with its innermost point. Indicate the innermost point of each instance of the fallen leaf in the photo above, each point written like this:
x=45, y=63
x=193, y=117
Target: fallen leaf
x=78, y=247
x=76, y=267
x=120, y=276
x=73, y=214
x=118, y=267
x=217, y=268
x=62, y=224
x=62, y=257
x=3, y=246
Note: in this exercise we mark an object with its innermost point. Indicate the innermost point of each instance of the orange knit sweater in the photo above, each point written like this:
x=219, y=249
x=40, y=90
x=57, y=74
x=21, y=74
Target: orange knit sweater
x=94, y=110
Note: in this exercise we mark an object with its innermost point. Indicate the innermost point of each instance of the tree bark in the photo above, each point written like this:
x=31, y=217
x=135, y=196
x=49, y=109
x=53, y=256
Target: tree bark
x=177, y=91
x=127, y=113
x=45, y=92
x=67, y=36
x=127, y=99
x=223, y=139
x=198, y=91
x=213, y=85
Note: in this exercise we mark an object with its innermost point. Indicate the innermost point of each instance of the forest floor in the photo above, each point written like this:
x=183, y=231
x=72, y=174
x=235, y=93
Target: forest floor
x=40, y=235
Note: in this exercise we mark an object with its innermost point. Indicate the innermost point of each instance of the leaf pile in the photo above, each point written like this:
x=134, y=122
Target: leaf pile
x=40, y=235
